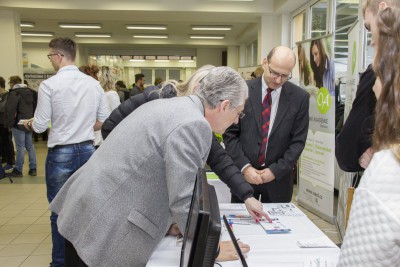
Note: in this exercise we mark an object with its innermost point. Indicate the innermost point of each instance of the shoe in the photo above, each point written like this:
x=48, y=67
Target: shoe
x=8, y=167
x=32, y=172
x=14, y=173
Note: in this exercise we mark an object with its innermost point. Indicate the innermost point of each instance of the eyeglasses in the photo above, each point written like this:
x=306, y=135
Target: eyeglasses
x=50, y=55
x=241, y=115
x=275, y=74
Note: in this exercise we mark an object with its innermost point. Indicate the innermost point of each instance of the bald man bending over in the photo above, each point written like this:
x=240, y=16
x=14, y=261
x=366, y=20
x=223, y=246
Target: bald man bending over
x=267, y=142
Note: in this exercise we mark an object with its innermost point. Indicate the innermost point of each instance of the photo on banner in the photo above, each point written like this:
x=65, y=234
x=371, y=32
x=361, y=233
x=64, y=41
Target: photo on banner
x=316, y=74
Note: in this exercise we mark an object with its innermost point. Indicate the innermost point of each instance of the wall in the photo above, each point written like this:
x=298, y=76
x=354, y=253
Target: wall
x=211, y=56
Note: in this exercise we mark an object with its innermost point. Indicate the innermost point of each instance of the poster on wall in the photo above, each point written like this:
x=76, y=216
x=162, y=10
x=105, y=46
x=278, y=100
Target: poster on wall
x=316, y=164
x=35, y=76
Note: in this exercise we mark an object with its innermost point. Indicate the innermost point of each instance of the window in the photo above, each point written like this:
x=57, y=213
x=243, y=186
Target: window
x=319, y=19
x=346, y=15
x=299, y=27
x=175, y=74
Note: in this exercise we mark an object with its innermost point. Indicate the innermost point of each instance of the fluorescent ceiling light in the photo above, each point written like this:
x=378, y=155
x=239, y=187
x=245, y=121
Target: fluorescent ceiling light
x=211, y=28
x=92, y=35
x=80, y=25
x=151, y=36
x=145, y=27
x=137, y=60
x=27, y=24
x=161, y=60
x=198, y=36
x=186, y=61
x=38, y=34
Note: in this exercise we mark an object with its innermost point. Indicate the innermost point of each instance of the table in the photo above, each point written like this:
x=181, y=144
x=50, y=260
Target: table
x=266, y=249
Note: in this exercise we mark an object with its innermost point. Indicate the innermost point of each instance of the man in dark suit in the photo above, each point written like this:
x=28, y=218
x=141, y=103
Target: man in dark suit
x=266, y=148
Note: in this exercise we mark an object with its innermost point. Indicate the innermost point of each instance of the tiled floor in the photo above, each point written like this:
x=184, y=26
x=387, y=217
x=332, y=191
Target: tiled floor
x=25, y=238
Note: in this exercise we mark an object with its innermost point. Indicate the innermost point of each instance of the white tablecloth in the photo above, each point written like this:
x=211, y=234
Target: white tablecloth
x=266, y=249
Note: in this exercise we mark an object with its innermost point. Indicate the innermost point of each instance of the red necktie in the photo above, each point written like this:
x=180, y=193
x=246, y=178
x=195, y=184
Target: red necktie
x=266, y=113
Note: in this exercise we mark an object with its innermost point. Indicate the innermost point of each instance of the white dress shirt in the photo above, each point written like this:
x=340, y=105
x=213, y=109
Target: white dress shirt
x=71, y=101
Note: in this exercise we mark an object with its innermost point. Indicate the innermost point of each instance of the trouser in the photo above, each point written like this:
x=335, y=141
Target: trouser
x=6, y=146
x=23, y=140
x=61, y=163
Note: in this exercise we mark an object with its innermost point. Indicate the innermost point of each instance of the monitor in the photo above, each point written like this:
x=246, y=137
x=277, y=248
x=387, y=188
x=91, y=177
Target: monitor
x=235, y=242
x=203, y=227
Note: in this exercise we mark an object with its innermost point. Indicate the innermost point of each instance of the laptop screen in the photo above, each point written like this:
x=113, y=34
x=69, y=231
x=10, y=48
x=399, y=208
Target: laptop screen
x=234, y=241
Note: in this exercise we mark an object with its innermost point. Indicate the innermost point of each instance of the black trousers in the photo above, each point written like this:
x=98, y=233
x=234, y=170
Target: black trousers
x=6, y=146
x=72, y=258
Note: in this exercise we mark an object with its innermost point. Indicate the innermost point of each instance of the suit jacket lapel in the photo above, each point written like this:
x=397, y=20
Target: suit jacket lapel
x=255, y=101
x=283, y=106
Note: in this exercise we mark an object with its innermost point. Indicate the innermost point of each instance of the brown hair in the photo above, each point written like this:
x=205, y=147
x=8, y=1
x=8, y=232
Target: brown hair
x=65, y=46
x=15, y=80
x=90, y=70
x=386, y=66
x=318, y=70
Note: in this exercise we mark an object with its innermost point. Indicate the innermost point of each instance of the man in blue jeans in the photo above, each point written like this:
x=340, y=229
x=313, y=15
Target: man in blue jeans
x=76, y=106
x=20, y=106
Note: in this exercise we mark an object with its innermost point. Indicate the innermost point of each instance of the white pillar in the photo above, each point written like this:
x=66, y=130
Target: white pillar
x=10, y=45
x=269, y=35
x=233, y=57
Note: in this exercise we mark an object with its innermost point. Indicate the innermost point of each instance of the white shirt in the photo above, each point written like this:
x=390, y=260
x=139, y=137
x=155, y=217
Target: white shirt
x=373, y=234
x=71, y=101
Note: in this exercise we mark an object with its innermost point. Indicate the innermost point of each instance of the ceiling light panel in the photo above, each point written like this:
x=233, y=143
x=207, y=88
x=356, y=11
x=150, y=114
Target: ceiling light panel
x=151, y=36
x=209, y=37
x=92, y=35
x=211, y=28
x=145, y=27
x=80, y=25
x=38, y=34
x=27, y=24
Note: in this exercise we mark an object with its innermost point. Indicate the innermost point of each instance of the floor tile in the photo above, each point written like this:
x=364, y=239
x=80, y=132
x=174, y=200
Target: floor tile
x=12, y=261
x=36, y=261
x=13, y=229
x=32, y=213
x=22, y=220
x=9, y=213
x=7, y=238
x=37, y=228
x=30, y=238
x=43, y=220
x=18, y=250
x=43, y=249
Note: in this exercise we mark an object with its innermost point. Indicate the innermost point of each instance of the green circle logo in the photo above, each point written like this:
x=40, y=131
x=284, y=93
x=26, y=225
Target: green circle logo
x=354, y=58
x=323, y=100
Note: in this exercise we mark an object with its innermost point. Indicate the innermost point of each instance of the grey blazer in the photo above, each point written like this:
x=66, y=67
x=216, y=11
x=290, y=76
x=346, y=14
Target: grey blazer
x=118, y=206
x=285, y=142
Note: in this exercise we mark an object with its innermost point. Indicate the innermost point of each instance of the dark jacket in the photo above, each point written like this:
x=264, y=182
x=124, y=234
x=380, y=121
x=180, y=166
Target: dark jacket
x=21, y=104
x=218, y=159
x=355, y=136
x=286, y=139
x=3, y=103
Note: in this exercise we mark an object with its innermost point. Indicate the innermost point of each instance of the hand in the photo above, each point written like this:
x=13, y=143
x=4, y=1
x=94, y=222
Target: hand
x=255, y=208
x=266, y=175
x=28, y=124
x=174, y=230
x=251, y=175
x=227, y=251
x=366, y=157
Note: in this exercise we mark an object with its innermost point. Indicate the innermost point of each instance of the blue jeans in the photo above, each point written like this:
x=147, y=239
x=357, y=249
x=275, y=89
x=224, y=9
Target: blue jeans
x=61, y=163
x=23, y=140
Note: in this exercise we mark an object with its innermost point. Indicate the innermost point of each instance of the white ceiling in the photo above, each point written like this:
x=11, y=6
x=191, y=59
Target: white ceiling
x=178, y=15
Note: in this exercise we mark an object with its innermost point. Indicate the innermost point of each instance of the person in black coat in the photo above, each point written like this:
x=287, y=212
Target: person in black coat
x=218, y=159
x=355, y=137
